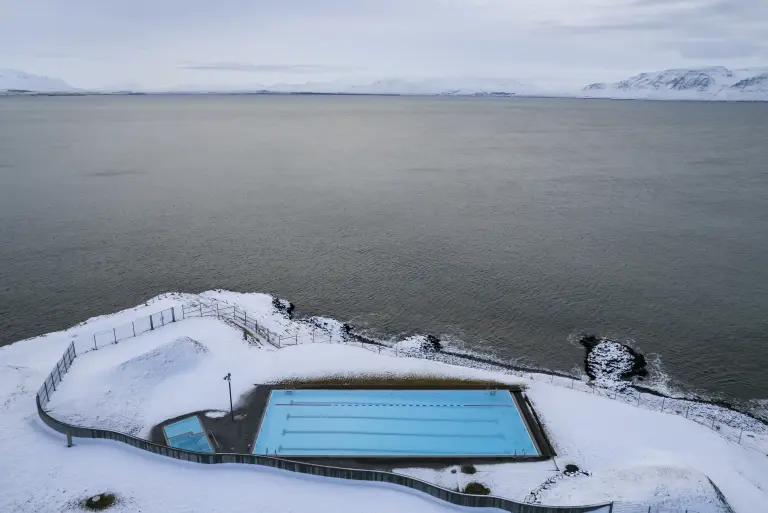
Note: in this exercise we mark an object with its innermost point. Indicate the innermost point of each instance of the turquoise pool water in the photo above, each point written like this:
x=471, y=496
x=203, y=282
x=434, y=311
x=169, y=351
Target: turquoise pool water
x=393, y=423
x=187, y=434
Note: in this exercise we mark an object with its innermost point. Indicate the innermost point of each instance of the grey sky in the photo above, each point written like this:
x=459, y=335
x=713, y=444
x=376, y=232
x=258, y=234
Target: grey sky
x=166, y=43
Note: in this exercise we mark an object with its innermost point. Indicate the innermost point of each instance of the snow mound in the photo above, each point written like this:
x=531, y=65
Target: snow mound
x=660, y=487
x=161, y=363
x=120, y=397
x=611, y=364
x=418, y=346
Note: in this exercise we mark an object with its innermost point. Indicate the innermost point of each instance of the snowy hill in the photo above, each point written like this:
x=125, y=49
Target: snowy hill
x=714, y=83
x=14, y=80
x=446, y=87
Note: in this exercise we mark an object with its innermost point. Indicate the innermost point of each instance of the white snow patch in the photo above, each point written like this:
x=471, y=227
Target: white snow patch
x=608, y=360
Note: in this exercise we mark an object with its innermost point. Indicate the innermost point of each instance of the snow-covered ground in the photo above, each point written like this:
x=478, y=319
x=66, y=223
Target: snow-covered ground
x=632, y=455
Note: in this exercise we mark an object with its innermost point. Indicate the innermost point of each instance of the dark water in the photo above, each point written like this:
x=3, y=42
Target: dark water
x=508, y=224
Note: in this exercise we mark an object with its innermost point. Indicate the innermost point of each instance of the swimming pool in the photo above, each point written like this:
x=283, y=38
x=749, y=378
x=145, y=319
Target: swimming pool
x=390, y=423
x=187, y=434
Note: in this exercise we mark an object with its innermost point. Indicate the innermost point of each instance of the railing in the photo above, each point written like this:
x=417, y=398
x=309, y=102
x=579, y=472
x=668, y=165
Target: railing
x=54, y=378
x=453, y=497
x=698, y=411
x=255, y=331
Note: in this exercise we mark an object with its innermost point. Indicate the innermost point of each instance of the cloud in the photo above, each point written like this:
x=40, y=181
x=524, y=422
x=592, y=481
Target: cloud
x=228, y=42
x=245, y=67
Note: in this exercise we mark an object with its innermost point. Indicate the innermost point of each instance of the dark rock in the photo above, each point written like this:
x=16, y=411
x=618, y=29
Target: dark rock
x=434, y=342
x=283, y=306
x=475, y=488
x=571, y=469
x=625, y=364
x=99, y=502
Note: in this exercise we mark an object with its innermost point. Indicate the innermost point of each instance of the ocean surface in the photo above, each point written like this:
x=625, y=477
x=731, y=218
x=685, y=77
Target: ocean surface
x=505, y=225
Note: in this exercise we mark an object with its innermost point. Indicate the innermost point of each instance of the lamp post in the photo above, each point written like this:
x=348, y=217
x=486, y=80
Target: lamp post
x=228, y=379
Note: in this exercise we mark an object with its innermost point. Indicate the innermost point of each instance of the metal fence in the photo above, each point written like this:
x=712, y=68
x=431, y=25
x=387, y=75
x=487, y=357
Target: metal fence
x=723, y=421
x=718, y=419
x=240, y=318
x=54, y=378
x=256, y=332
x=451, y=496
x=642, y=508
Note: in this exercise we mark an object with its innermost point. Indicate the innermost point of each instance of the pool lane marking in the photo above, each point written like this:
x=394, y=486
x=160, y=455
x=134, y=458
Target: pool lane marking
x=415, y=419
x=396, y=404
x=342, y=450
x=385, y=433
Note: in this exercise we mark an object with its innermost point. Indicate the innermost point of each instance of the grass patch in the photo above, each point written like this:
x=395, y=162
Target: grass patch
x=468, y=469
x=394, y=381
x=99, y=502
x=475, y=488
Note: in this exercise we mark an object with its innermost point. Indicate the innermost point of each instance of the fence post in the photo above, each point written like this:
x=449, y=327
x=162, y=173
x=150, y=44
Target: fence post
x=278, y=341
x=94, y=342
x=663, y=400
x=151, y=323
x=162, y=319
x=217, y=311
x=69, y=438
x=313, y=334
x=133, y=327
x=201, y=309
x=173, y=314
x=47, y=395
x=297, y=338
x=686, y=410
x=741, y=433
x=114, y=335
x=245, y=317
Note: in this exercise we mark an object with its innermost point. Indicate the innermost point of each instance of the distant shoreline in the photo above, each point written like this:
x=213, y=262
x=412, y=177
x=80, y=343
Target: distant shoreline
x=25, y=93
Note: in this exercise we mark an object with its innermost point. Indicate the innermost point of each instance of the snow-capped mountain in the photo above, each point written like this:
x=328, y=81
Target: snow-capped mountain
x=446, y=87
x=714, y=83
x=14, y=80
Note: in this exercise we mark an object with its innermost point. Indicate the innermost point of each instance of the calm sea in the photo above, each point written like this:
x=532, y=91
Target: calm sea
x=509, y=225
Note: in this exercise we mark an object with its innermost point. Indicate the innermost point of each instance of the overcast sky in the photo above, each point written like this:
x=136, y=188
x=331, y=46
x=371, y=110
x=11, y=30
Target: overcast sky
x=166, y=43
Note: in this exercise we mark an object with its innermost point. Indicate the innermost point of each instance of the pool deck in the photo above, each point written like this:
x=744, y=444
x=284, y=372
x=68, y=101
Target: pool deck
x=238, y=435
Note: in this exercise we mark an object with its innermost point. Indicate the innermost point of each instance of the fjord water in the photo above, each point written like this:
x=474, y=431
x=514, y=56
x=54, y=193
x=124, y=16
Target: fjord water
x=507, y=224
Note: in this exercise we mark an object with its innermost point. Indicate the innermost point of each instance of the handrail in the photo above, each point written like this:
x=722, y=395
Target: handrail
x=451, y=496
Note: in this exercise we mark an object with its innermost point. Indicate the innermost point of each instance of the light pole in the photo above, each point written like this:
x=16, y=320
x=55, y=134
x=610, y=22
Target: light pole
x=228, y=379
